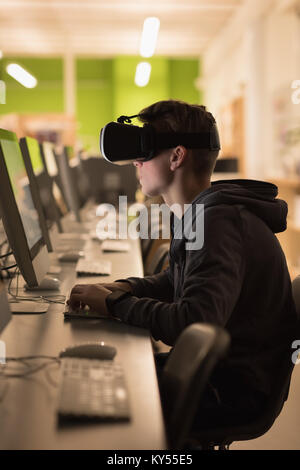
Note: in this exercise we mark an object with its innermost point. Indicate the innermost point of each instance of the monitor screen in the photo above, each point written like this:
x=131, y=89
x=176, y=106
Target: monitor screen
x=70, y=153
x=51, y=167
x=78, y=176
x=59, y=199
x=50, y=160
x=19, y=215
x=20, y=185
x=40, y=192
x=69, y=184
x=35, y=155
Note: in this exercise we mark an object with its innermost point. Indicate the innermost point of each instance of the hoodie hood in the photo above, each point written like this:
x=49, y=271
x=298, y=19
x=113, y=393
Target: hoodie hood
x=258, y=197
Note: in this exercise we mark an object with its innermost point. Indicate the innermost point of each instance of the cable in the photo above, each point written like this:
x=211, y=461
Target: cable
x=7, y=254
x=60, y=299
x=5, y=257
x=26, y=358
x=6, y=373
x=10, y=282
x=8, y=267
x=54, y=298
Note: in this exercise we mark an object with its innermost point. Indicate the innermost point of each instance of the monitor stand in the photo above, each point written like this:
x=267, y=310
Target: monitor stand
x=23, y=307
x=28, y=307
x=48, y=283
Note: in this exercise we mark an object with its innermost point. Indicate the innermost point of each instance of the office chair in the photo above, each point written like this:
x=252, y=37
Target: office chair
x=148, y=244
x=222, y=437
x=151, y=258
x=155, y=229
x=186, y=374
x=158, y=261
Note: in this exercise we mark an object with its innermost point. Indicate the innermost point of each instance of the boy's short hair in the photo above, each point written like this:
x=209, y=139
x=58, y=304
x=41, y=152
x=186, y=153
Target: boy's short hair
x=178, y=116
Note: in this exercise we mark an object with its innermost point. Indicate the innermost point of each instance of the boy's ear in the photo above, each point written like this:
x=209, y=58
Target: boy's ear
x=177, y=157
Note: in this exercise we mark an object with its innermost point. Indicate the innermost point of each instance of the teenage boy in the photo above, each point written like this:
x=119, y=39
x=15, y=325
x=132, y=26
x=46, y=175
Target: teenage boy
x=238, y=279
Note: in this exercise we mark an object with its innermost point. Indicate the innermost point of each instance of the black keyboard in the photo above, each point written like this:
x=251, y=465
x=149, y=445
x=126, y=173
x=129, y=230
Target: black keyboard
x=92, y=388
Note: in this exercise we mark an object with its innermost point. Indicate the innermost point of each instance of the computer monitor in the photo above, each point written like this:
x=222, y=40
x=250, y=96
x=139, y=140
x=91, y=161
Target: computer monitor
x=57, y=207
x=5, y=313
x=69, y=184
x=41, y=194
x=20, y=217
x=69, y=150
x=49, y=159
x=79, y=175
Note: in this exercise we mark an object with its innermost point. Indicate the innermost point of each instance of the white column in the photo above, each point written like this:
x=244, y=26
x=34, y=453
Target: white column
x=69, y=84
x=255, y=102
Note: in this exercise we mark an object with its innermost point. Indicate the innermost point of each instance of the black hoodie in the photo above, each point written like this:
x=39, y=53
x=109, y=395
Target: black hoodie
x=238, y=280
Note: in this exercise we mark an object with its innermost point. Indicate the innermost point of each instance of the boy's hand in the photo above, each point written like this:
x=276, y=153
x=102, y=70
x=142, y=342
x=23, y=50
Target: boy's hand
x=93, y=295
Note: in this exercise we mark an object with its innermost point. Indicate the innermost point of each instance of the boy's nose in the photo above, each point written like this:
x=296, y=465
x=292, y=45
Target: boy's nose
x=137, y=164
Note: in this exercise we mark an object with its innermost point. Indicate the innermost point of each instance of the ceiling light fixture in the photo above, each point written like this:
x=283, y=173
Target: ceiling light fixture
x=142, y=74
x=21, y=75
x=149, y=36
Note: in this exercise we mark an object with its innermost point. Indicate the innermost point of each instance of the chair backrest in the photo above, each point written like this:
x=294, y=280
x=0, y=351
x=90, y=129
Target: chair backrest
x=186, y=374
x=147, y=243
x=156, y=264
x=151, y=259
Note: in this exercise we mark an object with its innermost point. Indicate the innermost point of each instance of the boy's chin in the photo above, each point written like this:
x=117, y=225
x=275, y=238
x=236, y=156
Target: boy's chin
x=150, y=193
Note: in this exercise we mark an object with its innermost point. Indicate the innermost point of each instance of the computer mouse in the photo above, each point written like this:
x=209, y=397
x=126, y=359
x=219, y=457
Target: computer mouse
x=70, y=256
x=48, y=283
x=90, y=351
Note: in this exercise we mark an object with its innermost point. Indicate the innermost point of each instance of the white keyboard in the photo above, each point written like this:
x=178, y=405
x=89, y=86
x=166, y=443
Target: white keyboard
x=93, y=389
x=88, y=267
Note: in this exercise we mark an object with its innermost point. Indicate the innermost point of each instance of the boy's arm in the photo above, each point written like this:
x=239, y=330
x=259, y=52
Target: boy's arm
x=212, y=284
x=159, y=286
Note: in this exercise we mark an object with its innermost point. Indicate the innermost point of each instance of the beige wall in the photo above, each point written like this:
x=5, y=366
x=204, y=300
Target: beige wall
x=256, y=54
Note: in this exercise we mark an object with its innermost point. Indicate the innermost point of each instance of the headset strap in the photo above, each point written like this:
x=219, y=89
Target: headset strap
x=188, y=140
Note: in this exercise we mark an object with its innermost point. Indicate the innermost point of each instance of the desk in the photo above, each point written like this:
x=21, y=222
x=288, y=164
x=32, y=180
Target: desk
x=28, y=409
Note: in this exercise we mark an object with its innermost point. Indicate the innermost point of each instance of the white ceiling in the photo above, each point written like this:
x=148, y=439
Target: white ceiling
x=109, y=27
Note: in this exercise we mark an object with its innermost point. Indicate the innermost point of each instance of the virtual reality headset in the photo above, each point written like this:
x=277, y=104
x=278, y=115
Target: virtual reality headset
x=122, y=143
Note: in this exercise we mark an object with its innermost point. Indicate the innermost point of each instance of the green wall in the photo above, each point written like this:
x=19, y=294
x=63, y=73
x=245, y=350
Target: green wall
x=183, y=73
x=129, y=98
x=105, y=89
x=47, y=96
x=94, y=99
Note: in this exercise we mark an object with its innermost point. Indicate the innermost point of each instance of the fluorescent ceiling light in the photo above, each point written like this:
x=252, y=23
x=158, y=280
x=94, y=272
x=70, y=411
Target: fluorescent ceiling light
x=142, y=74
x=21, y=75
x=149, y=36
